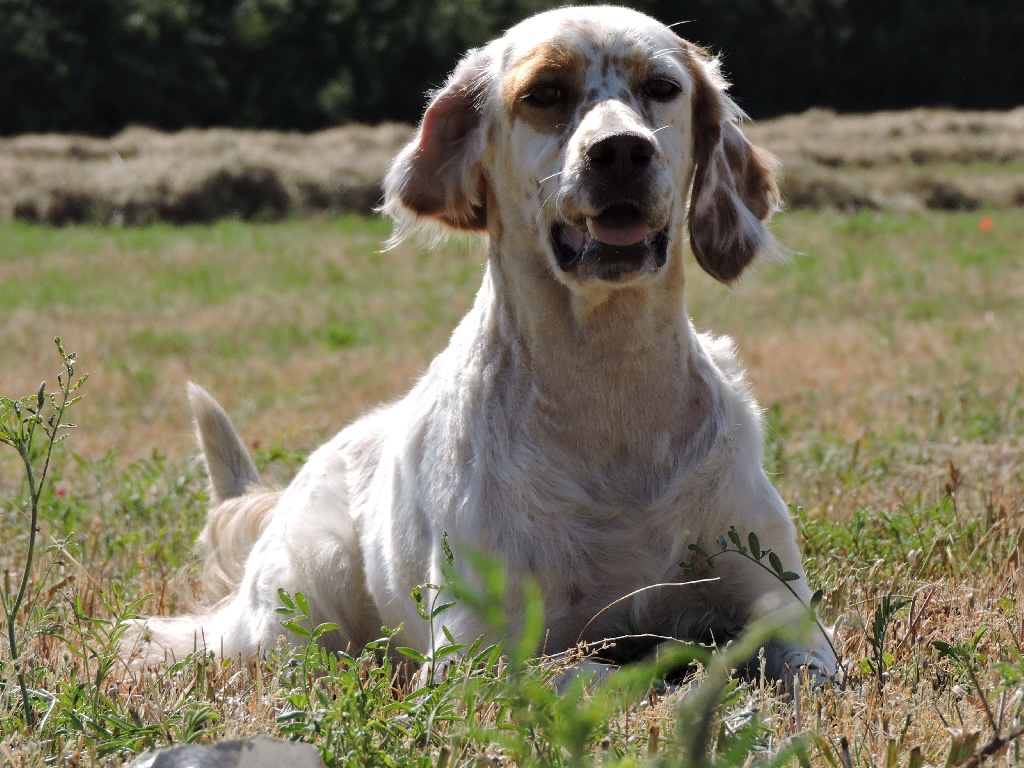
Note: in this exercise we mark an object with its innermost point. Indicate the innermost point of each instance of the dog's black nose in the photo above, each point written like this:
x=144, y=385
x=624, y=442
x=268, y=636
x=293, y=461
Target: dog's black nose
x=620, y=155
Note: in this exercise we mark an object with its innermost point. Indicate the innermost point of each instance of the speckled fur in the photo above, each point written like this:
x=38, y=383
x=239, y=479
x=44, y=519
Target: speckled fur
x=578, y=429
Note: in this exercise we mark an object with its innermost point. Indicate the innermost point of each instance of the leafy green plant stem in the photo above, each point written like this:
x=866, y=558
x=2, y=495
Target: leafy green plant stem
x=887, y=608
x=756, y=555
x=810, y=608
x=19, y=420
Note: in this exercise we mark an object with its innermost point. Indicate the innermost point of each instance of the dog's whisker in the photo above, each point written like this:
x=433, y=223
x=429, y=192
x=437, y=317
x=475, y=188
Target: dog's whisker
x=553, y=175
x=547, y=200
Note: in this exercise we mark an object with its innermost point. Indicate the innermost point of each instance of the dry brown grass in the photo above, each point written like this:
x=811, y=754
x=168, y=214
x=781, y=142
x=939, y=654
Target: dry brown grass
x=937, y=159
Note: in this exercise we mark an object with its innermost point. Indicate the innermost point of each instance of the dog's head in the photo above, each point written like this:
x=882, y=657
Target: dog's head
x=595, y=132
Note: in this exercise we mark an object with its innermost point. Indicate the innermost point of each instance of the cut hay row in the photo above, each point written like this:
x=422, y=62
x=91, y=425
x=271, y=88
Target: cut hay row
x=936, y=159
x=925, y=158
x=143, y=176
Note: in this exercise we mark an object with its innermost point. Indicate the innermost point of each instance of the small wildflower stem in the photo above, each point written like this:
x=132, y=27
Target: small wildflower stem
x=12, y=610
x=21, y=440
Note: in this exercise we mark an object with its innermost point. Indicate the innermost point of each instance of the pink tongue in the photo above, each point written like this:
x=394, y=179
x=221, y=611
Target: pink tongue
x=619, y=231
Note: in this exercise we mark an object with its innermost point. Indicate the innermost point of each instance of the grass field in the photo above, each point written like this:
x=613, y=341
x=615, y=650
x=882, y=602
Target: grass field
x=887, y=354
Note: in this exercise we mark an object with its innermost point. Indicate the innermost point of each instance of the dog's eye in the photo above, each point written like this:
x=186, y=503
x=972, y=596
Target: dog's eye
x=544, y=96
x=662, y=89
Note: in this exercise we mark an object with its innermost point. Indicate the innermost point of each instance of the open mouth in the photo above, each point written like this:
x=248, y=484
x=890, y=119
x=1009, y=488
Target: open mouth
x=612, y=246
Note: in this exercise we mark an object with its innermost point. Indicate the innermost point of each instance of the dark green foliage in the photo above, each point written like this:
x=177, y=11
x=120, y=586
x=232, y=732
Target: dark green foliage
x=98, y=65
x=95, y=66
x=860, y=55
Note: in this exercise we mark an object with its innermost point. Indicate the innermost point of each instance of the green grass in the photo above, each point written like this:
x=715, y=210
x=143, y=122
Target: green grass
x=139, y=269
x=887, y=353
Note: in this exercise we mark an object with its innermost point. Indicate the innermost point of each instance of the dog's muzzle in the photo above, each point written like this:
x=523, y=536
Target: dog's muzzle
x=616, y=245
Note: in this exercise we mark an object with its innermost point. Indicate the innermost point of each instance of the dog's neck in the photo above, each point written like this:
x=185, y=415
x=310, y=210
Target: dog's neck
x=610, y=372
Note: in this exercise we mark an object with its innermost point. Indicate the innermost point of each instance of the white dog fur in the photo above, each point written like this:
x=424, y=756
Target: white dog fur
x=576, y=427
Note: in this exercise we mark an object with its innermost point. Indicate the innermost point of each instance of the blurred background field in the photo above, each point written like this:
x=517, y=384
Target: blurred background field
x=250, y=261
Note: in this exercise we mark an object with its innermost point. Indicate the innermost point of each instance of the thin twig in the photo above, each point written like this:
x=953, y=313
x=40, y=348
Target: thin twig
x=636, y=592
x=996, y=744
x=984, y=700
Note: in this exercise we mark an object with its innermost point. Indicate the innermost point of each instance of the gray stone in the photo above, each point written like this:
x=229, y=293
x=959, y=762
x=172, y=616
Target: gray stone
x=256, y=752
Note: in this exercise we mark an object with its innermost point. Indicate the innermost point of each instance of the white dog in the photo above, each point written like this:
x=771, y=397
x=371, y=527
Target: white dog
x=576, y=427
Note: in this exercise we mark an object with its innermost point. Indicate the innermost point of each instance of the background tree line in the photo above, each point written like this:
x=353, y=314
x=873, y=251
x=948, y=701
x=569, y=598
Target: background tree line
x=94, y=66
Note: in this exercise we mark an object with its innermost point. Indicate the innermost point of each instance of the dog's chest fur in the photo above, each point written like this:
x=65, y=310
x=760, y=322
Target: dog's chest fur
x=592, y=487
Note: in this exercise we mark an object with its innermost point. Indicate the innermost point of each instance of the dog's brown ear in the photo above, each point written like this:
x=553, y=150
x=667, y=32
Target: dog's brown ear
x=438, y=174
x=734, y=187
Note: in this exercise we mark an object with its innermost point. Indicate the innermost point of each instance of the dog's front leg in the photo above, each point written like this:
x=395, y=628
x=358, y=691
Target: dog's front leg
x=801, y=640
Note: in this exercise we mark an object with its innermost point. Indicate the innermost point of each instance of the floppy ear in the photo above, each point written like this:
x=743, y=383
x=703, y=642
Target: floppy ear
x=438, y=174
x=734, y=187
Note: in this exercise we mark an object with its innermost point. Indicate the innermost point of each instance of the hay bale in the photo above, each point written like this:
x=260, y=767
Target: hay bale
x=232, y=189
x=942, y=194
x=141, y=175
x=843, y=162
x=807, y=185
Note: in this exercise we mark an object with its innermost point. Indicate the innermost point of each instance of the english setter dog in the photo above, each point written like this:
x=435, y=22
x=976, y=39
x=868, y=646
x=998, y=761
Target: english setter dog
x=577, y=427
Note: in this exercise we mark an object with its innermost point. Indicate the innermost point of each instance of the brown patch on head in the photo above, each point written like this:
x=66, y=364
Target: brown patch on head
x=639, y=66
x=549, y=65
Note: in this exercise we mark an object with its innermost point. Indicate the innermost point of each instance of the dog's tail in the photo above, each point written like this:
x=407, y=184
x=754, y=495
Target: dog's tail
x=228, y=463
x=239, y=514
x=241, y=508
x=157, y=640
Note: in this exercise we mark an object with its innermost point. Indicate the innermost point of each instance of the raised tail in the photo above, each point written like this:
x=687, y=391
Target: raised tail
x=240, y=510
x=228, y=463
x=239, y=513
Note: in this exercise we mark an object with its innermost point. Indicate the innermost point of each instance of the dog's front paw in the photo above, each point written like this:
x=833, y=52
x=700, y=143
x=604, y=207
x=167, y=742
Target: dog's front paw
x=590, y=671
x=790, y=662
x=802, y=664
